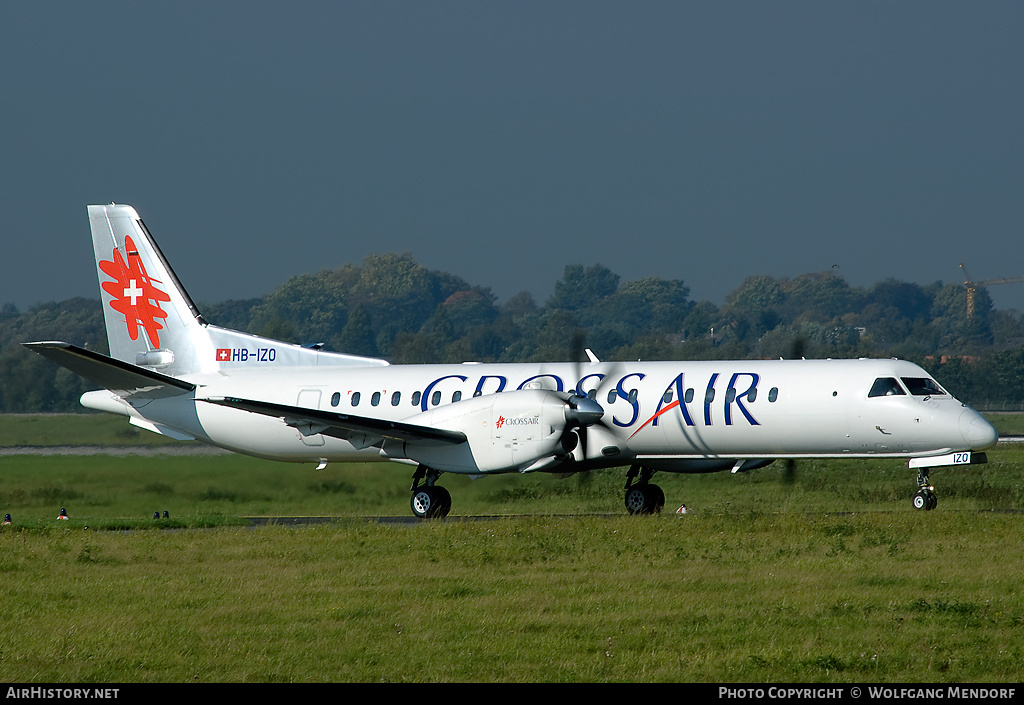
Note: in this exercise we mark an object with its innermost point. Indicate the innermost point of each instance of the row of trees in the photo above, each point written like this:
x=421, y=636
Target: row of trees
x=391, y=306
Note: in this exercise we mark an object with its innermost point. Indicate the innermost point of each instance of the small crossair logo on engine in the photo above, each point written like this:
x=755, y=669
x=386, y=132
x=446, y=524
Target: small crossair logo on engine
x=521, y=421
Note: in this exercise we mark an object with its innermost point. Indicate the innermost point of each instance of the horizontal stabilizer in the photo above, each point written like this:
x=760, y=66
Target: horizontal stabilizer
x=123, y=378
x=344, y=426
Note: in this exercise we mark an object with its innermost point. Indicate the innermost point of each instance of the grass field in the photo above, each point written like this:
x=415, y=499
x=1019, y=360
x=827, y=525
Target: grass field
x=832, y=578
x=74, y=430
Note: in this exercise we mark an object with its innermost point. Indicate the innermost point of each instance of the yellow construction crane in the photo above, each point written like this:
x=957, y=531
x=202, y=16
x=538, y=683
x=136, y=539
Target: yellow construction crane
x=972, y=286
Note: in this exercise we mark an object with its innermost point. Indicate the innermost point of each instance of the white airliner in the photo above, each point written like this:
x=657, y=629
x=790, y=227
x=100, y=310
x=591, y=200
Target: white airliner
x=171, y=372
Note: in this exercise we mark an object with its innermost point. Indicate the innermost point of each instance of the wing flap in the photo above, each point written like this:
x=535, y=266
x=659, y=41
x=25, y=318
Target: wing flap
x=124, y=379
x=365, y=430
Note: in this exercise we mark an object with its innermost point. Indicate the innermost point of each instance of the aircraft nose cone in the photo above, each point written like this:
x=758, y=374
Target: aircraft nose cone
x=978, y=432
x=583, y=411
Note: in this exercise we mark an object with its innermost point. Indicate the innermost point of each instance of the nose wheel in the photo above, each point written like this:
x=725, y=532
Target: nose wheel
x=925, y=497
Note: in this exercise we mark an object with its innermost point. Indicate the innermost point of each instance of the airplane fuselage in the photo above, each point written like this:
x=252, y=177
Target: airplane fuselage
x=664, y=414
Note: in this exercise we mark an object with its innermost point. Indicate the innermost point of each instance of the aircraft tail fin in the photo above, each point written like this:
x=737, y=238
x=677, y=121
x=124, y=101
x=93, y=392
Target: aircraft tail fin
x=152, y=322
x=150, y=318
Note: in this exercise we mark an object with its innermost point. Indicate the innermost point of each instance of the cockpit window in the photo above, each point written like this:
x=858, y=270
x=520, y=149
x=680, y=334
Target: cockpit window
x=885, y=387
x=922, y=386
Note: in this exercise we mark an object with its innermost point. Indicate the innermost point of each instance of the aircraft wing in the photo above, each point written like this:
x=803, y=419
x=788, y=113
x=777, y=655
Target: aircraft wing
x=124, y=379
x=365, y=431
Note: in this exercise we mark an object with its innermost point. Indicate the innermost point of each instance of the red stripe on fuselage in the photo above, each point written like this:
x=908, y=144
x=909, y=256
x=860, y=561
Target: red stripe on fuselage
x=670, y=406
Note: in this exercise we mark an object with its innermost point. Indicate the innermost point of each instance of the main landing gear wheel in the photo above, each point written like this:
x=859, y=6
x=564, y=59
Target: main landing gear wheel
x=429, y=501
x=925, y=497
x=643, y=497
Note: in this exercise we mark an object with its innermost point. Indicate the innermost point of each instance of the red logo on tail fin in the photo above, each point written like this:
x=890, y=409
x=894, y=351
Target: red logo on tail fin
x=134, y=293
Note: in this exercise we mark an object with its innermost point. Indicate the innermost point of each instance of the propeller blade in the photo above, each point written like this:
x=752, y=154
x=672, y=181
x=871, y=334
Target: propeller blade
x=789, y=474
x=582, y=410
x=576, y=353
x=799, y=347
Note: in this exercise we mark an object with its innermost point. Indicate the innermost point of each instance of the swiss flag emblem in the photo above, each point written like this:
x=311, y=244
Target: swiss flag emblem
x=223, y=354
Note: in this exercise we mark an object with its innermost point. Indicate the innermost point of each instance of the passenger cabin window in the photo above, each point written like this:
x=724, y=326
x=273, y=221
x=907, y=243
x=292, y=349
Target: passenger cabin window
x=922, y=386
x=435, y=398
x=457, y=396
x=375, y=399
x=355, y=398
x=415, y=398
x=335, y=398
x=886, y=387
x=396, y=398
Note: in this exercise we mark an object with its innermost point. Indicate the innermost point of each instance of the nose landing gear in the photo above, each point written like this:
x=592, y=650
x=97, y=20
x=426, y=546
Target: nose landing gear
x=925, y=497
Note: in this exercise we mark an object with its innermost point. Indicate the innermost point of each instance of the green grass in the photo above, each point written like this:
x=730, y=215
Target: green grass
x=757, y=598
x=1008, y=423
x=196, y=488
x=830, y=578
x=74, y=430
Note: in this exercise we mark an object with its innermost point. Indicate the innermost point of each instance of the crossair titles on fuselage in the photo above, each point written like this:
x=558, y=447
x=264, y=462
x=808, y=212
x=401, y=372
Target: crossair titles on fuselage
x=675, y=395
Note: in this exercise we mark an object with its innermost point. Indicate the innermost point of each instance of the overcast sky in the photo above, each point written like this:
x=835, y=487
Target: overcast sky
x=500, y=141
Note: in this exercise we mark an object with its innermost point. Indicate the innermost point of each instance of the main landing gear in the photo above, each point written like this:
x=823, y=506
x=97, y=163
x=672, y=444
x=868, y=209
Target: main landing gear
x=643, y=497
x=925, y=498
x=429, y=501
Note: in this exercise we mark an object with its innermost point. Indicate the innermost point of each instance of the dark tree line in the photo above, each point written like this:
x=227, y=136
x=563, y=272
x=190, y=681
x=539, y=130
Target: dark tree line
x=392, y=307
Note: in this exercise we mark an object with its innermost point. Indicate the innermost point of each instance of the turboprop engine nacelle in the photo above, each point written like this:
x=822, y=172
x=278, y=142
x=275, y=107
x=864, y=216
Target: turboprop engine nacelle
x=520, y=431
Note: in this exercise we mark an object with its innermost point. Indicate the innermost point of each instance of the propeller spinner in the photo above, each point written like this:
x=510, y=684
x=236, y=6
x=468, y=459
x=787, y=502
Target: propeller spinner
x=582, y=411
